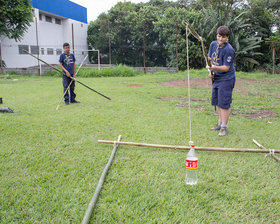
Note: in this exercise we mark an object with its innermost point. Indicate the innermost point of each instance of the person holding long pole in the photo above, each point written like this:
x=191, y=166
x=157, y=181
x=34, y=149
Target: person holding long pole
x=67, y=63
x=222, y=56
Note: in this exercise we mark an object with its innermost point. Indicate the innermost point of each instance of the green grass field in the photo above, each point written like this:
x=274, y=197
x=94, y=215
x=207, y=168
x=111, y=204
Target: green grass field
x=50, y=160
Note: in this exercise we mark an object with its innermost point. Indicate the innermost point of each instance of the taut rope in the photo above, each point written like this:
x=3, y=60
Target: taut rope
x=189, y=89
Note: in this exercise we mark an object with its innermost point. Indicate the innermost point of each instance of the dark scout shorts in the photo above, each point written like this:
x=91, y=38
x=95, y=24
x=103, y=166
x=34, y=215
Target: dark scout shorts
x=222, y=93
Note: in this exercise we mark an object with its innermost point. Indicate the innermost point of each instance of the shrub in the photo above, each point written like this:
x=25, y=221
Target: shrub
x=114, y=71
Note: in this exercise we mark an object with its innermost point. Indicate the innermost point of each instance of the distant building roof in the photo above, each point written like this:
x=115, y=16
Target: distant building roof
x=63, y=8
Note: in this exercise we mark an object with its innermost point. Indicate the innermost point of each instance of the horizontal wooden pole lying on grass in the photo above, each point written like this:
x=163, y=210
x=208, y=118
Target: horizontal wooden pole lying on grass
x=188, y=147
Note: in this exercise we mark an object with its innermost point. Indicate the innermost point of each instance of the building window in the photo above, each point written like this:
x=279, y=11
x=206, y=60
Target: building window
x=49, y=51
x=58, y=51
x=58, y=21
x=48, y=19
x=42, y=51
x=21, y=49
x=34, y=49
x=82, y=25
x=40, y=16
x=83, y=53
x=33, y=12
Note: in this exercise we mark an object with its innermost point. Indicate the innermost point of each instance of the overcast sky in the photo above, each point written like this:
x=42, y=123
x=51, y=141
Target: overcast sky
x=96, y=7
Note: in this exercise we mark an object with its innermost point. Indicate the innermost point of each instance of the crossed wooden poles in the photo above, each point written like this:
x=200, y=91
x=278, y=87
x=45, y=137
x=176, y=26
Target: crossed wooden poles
x=94, y=199
x=73, y=79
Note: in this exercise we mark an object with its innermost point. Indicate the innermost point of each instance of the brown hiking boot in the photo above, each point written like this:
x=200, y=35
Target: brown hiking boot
x=216, y=128
x=223, y=132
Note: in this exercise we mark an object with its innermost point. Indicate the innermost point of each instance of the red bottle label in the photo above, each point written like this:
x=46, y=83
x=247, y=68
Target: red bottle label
x=191, y=164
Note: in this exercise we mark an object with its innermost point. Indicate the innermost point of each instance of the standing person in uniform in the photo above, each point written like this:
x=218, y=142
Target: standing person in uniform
x=67, y=63
x=222, y=56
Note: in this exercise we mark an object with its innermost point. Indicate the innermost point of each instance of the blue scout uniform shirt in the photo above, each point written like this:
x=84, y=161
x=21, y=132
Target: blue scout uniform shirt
x=222, y=56
x=68, y=61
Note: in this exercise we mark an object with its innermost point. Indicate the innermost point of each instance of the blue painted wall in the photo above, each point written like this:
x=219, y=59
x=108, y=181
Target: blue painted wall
x=63, y=8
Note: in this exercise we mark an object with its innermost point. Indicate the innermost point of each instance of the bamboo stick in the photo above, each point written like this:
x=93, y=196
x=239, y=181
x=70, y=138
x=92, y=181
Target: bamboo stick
x=93, y=201
x=188, y=147
x=270, y=154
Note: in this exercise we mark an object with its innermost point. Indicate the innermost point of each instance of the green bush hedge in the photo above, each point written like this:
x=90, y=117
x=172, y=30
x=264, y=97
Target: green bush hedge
x=114, y=71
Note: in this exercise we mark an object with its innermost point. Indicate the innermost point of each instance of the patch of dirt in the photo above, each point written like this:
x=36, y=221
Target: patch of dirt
x=255, y=112
x=259, y=114
x=134, y=86
x=171, y=98
x=198, y=107
x=240, y=85
x=177, y=98
x=244, y=80
x=184, y=82
x=181, y=105
x=184, y=99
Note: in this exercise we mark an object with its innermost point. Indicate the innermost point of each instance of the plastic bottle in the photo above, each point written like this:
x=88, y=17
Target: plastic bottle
x=191, y=166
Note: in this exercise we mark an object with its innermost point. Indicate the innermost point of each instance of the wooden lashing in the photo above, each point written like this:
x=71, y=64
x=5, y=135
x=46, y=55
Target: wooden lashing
x=271, y=152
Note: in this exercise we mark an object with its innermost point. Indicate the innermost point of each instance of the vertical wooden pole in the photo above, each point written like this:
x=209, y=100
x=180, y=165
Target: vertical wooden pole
x=177, y=62
x=144, y=46
x=73, y=45
x=109, y=43
x=38, y=49
x=1, y=60
x=273, y=58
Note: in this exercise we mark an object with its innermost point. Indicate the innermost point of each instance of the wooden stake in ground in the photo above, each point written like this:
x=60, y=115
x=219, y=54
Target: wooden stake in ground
x=93, y=201
x=271, y=152
x=188, y=147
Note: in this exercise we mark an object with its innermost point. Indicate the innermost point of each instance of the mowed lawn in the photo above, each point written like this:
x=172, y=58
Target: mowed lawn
x=50, y=161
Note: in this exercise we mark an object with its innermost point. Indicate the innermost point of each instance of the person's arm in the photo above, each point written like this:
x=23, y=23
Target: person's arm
x=222, y=68
x=64, y=69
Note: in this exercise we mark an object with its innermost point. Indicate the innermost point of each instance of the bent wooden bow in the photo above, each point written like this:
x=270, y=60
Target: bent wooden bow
x=195, y=34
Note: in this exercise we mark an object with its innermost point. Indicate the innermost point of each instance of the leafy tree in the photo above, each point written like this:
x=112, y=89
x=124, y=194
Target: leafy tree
x=124, y=25
x=98, y=37
x=264, y=18
x=245, y=45
x=15, y=18
x=274, y=45
x=156, y=25
x=166, y=26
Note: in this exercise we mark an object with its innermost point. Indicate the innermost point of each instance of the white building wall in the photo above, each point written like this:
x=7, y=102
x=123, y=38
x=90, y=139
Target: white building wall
x=50, y=35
